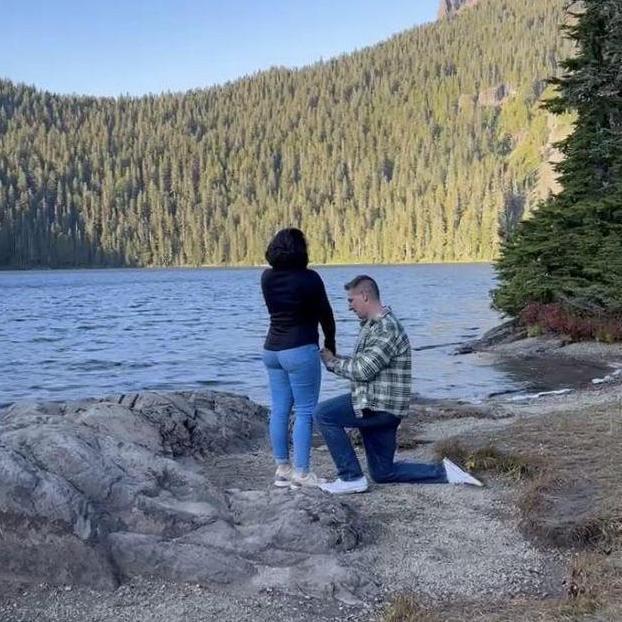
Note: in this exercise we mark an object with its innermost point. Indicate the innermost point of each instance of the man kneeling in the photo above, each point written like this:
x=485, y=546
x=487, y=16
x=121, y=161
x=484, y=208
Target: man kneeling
x=380, y=374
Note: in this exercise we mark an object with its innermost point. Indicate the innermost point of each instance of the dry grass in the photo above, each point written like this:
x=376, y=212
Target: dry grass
x=584, y=584
x=576, y=500
x=489, y=459
x=568, y=472
x=405, y=608
x=569, y=466
x=594, y=588
x=594, y=594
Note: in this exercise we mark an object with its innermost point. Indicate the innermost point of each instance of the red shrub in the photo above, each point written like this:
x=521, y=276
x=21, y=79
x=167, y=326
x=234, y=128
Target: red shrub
x=554, y=318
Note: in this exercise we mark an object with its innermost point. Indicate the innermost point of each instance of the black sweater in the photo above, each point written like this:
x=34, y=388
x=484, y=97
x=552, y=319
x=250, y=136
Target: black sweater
x=297, y=302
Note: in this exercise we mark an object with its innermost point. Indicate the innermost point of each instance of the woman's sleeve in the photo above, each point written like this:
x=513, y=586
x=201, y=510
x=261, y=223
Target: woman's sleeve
x=264, y=285
x=327, y=320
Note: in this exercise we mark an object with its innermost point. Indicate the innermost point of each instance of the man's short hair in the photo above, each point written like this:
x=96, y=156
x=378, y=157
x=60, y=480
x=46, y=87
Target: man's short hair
x=364, y=283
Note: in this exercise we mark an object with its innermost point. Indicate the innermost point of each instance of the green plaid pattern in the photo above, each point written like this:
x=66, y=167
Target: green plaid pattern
x=380, y=368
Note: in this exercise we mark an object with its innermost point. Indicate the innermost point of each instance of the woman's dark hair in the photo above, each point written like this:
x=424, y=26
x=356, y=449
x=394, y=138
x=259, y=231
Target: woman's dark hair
x=288, y=250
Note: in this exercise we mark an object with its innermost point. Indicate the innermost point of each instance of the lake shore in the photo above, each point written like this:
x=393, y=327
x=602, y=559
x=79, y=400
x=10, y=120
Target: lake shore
x=559, y=363
x=540, y=541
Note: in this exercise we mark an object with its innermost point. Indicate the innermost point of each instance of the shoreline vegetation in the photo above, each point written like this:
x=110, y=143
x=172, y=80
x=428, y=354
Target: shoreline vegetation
x=542, y=541
x=240, y=266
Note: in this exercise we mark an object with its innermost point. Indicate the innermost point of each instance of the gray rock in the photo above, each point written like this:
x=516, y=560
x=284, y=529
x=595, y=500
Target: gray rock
x=450, y=8
x=507, y=332
x=98, y=492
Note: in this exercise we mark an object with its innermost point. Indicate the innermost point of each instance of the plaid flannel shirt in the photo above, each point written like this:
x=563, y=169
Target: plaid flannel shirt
x=380, y=368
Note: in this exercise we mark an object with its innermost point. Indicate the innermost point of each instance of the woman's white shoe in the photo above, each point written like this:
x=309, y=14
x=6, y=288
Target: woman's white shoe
x=283, y=475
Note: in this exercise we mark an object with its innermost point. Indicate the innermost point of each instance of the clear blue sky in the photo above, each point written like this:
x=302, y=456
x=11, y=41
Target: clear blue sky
x=115, y=47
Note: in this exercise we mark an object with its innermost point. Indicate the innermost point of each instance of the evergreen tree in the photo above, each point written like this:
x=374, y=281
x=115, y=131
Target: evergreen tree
x=569, y=253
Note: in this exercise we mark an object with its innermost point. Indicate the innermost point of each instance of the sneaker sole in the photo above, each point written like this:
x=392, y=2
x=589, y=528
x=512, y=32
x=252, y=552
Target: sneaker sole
x=284, y=484
x=353, y=491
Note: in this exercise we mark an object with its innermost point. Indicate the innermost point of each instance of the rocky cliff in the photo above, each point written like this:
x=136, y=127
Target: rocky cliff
x=449, y=8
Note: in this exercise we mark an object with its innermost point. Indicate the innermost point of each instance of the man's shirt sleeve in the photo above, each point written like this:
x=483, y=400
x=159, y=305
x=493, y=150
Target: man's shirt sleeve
x=365, y=365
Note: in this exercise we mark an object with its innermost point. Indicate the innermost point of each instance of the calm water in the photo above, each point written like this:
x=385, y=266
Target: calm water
x=68, y=334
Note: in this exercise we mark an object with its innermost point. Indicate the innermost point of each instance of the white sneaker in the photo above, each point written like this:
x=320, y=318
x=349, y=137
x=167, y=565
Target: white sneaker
x=456, y=475
x=283, y=475
x=339, y=487
x=308, y=480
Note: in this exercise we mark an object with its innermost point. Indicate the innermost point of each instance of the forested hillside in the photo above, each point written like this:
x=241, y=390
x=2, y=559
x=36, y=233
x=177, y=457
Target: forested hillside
x=416, y=149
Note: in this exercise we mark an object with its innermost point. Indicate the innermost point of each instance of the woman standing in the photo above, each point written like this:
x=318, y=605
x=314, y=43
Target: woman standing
x=297, y=303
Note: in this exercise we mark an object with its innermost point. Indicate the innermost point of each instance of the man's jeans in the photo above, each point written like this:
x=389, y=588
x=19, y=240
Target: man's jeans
x=379, y=432
x=295, y=377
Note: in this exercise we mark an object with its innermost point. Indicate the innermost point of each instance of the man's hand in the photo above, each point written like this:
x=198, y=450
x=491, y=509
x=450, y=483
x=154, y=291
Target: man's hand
x=328, y=358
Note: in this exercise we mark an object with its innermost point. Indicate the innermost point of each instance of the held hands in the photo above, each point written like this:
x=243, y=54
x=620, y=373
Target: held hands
x=328, y=358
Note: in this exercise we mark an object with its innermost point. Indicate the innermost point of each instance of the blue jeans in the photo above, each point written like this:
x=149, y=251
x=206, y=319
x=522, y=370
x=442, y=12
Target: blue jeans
x=294, y=377
x=379, y=432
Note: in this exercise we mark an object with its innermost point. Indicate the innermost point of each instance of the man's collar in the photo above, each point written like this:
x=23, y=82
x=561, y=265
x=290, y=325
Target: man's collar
x=372, y=320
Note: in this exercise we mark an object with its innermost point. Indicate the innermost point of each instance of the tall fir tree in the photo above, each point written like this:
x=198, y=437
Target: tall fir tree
x=570, y=252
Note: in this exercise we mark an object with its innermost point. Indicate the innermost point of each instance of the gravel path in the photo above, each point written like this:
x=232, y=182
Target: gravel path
x=147, y=601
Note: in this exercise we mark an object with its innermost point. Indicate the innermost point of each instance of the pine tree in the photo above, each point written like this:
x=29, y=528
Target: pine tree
x=569, y=253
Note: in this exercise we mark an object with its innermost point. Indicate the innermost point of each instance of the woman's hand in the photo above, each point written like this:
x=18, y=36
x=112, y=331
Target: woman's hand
x=328, y=358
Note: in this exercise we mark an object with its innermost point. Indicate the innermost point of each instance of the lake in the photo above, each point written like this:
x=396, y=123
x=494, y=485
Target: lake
x=82, y=333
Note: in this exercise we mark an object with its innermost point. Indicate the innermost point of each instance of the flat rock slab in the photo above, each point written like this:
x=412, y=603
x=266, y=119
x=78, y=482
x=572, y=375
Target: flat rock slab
x=99, y=492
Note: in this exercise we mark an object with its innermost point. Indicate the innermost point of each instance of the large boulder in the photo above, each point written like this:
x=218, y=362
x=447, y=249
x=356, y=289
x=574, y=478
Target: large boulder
x=99, y=491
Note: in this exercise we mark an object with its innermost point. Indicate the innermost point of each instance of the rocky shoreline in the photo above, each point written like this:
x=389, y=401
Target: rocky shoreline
x=159, y=507
x=560, y=365
x=510, y=339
